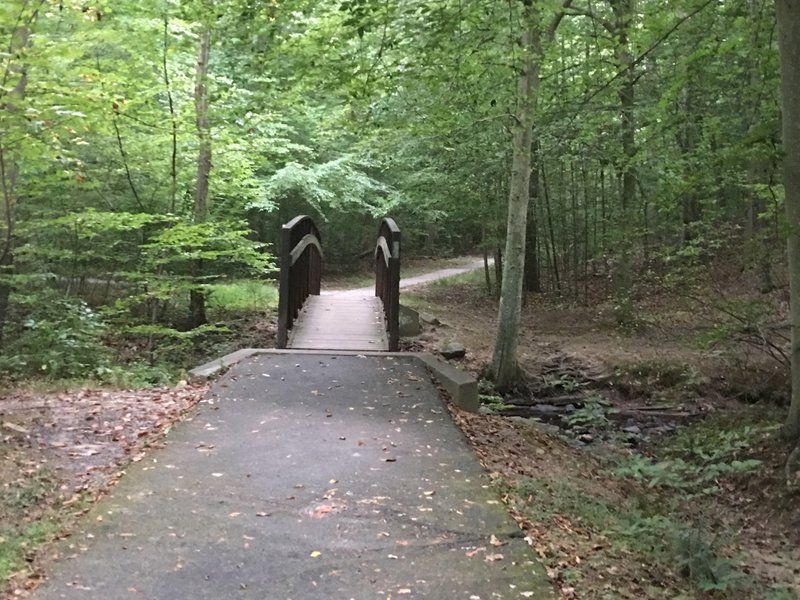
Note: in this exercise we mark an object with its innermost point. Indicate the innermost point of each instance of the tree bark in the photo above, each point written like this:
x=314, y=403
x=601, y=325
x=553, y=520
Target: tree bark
x=789, y=43
x=552, y=236
x=173, y=187
x=9, y=168
x=197, y=297
x=623, y=9
x=504, y=359
x=532, y=274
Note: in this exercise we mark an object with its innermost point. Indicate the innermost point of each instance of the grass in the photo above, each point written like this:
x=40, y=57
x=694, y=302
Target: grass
x=638, y=527
x=246, y=295
x=27, y=518
x=474, y=278
x=16, y=547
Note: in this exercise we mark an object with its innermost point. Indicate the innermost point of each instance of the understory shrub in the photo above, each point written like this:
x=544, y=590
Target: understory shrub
x=55, y=337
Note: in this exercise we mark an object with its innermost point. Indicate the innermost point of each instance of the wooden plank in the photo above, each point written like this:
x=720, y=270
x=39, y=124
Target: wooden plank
x=340, y=322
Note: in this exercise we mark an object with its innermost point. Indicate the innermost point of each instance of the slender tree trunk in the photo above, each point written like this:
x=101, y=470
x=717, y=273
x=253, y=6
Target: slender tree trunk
x=573, y=191
x=623, y=10
x=585, y=179
x=498, y=271
x=173, y=187
x=532, y=278
x=486, y=271
x=789, y=43
x=546, y=194
x=9, y=168
x=504, y=359
x=8, y=177
x=197, y=297
x=603, y=214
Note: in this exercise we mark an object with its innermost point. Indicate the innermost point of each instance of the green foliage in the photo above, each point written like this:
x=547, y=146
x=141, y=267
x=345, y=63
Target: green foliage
x=221, y=244
x=649, y=375
x=57, y=337
x=247, y=295
x=28, y=492
x=697, y=558
x=162, y=345
x=683, y=547
x=335, y=185
x=565, y=381
x=22, y=496
x=594, y=413
x=698, y=458
x=17, y=546
x=749, y=321
x=492, y=401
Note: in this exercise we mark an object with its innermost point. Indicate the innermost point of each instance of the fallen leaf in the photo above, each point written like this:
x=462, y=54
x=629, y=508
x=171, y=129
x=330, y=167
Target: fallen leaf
x=321, y=511
x=495, y=542
x=473, y=552
x=493, y=557
x=316, y=553
x=15, y=427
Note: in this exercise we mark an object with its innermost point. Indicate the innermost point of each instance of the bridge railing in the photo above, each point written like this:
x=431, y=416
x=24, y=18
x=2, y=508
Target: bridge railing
x=387, y=278
x=301, y=271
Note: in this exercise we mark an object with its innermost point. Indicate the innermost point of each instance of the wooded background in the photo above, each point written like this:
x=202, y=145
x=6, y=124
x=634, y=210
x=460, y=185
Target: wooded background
x=149, y=149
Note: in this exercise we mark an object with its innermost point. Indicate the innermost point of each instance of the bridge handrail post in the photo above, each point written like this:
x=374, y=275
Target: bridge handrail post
x=301, y=271
x=387, y=278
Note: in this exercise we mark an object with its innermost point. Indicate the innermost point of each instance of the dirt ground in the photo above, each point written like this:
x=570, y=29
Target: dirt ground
x=659, y=381
x=60, y=452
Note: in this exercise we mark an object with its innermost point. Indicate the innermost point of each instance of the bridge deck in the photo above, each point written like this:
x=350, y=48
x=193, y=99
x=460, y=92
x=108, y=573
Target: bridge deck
x=340, y=322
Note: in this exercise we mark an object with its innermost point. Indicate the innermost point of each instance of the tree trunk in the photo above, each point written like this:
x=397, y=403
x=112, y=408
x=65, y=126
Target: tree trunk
x=532, y=273
x=197, y=297
x=554, y=250
x=498, y=271
x=504, y=359
x=9, y=169
x=173, y=187
x=486, y=272
x=623, y=10
x=789, y=44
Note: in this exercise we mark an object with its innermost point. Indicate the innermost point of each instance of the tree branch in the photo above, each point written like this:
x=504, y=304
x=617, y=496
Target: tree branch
x=656, y=43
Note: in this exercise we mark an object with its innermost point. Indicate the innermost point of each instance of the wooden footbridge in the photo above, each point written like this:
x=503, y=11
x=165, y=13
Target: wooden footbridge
x=348, y=320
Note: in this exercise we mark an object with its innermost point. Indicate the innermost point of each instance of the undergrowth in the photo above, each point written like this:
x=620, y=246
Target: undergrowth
x=30, y=496
x=634, y=525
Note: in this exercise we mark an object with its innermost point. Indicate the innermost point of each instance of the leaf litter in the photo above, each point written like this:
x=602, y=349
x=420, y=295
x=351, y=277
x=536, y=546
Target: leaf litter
x=79, y=441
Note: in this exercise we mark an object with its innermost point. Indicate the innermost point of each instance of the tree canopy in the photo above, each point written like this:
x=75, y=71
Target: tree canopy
x=640, y=133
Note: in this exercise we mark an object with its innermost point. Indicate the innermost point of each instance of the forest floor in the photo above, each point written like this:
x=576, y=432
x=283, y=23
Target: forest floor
x=644, y=464
x=628, y=458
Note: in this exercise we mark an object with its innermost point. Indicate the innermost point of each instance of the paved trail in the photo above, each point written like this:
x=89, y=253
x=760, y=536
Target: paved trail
x=304, y=476
x=415, y=280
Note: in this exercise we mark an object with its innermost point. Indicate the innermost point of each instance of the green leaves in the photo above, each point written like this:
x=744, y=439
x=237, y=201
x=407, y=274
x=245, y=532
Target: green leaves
x=224, y=246
x=337, y=185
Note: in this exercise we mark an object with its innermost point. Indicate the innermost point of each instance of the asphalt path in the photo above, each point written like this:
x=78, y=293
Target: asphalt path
x=304, y=477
